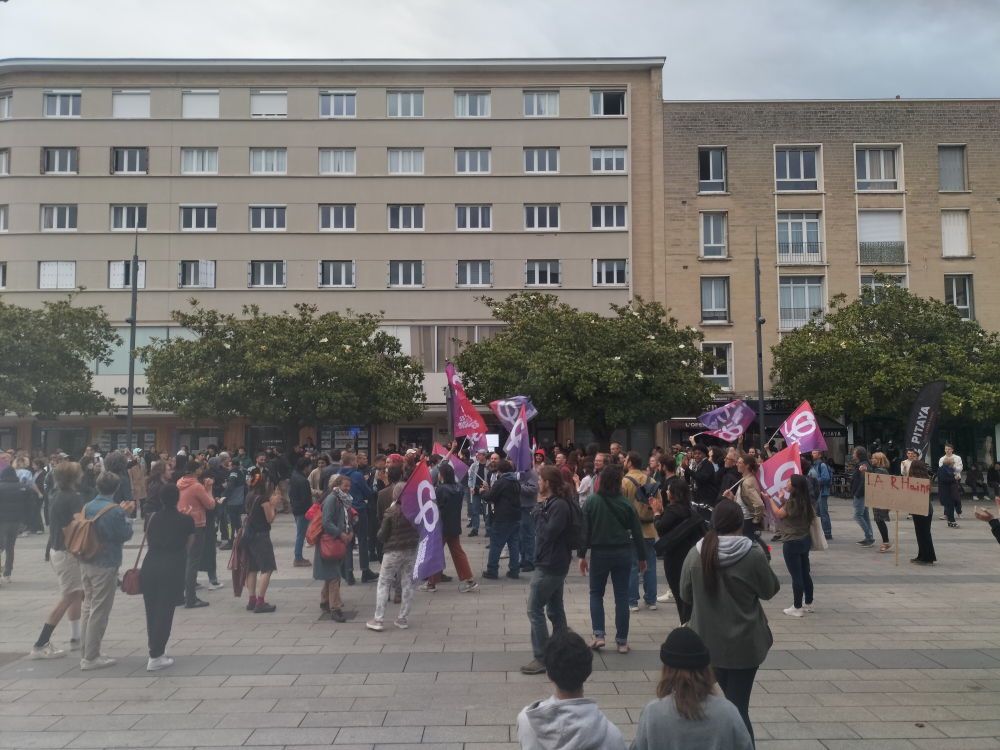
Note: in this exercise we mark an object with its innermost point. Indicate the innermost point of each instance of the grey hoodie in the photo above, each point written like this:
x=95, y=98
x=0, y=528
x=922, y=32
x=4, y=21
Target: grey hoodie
x=573, y=724
x=731, y=549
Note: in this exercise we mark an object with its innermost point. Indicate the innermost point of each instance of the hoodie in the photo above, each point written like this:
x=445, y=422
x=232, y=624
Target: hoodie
x=575, y=723
x=194, y=500
x=731, y=549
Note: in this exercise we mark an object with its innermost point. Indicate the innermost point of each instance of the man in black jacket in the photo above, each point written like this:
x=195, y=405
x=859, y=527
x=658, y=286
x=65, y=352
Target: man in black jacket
x=479, y=475
x=701, y=474
x=13, y=512
x=300, y=500
x=505, y=529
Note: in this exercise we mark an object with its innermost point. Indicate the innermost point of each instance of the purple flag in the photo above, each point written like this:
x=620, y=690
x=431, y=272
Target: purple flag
x=802, y=429
x=459, y=466
x=517, y=446
x=728, y=422
x=508, y=410
x=420, y=508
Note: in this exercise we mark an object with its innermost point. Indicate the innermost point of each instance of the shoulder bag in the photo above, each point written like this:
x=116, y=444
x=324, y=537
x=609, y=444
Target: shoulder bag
x=130, y=581
x=688, y=526
x=819, y=543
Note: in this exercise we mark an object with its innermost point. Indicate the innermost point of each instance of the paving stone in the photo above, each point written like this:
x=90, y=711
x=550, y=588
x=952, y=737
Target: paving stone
x=439, y=662
x=313, y=664
x=247, y=664
x=366, y=663
x=376, y=735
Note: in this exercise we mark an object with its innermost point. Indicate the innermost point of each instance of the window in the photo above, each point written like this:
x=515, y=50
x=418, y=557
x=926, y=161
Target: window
x=60, y=161
x=62, y=104
x=713, y=235
x=607, y=160
x=795, y=169
x=955, y=234
x=336, y=218
x=877, y=284
x=541, y=103
x=406, y=273
x=715, y=299
x=610, y=273
x=336, y=161
x=57, y=274
x=876, y=168
x=719, y=371
x=58, y=218
x=200, y=273
x=4, y=225
x=541, y=160
x=405, y=103
x=267, y=218
x=711, y=170
x=472, y=218
x=198, y=218
x=958, y=292
x=406, y=161
x=800, y=298
x=3, y=275
x=607, y=217
x=336, y=273
x=6, y=106
x=268, y=160
x=200, y=161
x=798, y=238
x=404, y=218
x=880, y=236
x=128, y=161
x=472, y=105
x=951, y=168
x=5, y=161
x=542, y=273
x=120, y=275
x=130, y=105
x=541, y=217
x=472, y=161
x=268, y=104
x=125, y=217
x=607, y=103
x=266, y=273
x=337, y=104
x=200, y=104
x=475, y=273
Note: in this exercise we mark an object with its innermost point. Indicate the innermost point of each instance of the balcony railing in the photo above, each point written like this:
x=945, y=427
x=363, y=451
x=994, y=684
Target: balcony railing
x=799, y=253
x=796, y=317
x=883, y=253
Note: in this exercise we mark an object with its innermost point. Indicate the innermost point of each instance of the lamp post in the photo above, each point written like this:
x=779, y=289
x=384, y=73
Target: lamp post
x=131, y=321
x=760, y=346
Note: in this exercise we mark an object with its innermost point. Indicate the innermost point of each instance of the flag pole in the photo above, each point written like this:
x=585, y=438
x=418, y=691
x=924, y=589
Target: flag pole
x=760, y=346
x=897, y=538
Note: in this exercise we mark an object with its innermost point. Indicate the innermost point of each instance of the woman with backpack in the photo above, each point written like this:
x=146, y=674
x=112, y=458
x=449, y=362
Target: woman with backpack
x=679, y=527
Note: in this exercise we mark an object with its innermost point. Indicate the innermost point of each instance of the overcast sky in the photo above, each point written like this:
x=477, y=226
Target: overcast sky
x=715, y=50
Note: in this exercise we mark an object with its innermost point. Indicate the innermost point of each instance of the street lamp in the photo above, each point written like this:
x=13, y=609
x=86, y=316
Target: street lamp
x=131, y=344
x=760, y=347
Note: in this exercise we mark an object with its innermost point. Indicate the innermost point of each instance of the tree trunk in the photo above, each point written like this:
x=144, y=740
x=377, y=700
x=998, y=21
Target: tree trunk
x=602, y=433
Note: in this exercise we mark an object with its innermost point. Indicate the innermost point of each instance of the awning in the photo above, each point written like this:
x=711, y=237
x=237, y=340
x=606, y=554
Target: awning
x=685, y=423
x=830, y=428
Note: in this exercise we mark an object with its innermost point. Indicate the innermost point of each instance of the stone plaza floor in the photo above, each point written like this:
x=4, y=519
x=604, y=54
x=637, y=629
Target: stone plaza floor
x=895, y=658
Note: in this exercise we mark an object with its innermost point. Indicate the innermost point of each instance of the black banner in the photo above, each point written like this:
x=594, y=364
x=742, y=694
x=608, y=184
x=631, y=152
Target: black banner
x=925, y=411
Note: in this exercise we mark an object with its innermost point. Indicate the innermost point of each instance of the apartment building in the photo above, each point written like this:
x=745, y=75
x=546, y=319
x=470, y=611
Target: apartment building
x=830, y=192
x=405, y=186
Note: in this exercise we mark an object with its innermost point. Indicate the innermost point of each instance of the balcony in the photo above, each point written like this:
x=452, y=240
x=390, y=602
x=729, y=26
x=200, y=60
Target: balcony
x=800, y=253
x=883, y=253
x=796, y=317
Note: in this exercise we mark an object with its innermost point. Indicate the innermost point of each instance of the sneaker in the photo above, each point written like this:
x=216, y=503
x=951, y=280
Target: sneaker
x=198, y=585
x=915, y=561
x=487, y=535
x=196, y=604
x=473, y=533
x=401, y=623
x=427, y=587
x=647, y=605
x=513, y=575
x=958, y=516
x=226, y=546
x=367, y=576
x=375, y=625
x=215, y=585
x=633, y=608
x=160, y=662
x=794, y=611
x=446, y=579
x=22, y=535
x=301, y=564
x=350, y=579
x=533, y=667
x=468, y=525
x=776, y=538
x=5, y=579
x=467, y=586
x=100, y=662
x=529, y=568
x=667, y=597
x=39, y=532
x=490, y=576
x=808, y=608
x=251, y=605
x=868, y=543
x=951, y=525
x=263, y=608
x=74, y=644
x=48, y=651
x=337, y=616
x=944, y=518
x=622, y=648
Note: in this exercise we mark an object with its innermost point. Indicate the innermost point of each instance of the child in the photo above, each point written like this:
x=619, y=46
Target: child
x=567, y=719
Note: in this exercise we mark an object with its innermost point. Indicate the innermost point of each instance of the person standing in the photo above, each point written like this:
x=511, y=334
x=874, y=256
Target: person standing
x=195, y=499
x=261, y=500
x=702, y=476
x=336, y=525
x=861, y=515
x=234, y=502
x=168, y=535
x=612, y=530
x=958, y=467
x=823, y=474
x=922, y=524
x=748, y=496
x=14, y=505
x=301, y=500
x=360, y=492
x=684, y=527
x=117, y=463
x=478, y=475
x=157, y=481
x=449, y=501
x=400, y=540
x=948, y=489
x=635, y=478
x=505, y=499
x=796, y=516
x=880, y=465
x=529, y=499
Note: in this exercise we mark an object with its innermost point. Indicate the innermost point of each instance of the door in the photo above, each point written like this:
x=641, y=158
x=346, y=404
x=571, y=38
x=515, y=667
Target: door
x=416, y=437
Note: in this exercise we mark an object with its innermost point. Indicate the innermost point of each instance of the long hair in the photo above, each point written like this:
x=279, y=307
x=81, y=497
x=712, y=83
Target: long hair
x=880, y=461
x=553, y=477
x=918, y=470
x=611, y=481
x=800, y=494
x=726, y=518
x=689, y=688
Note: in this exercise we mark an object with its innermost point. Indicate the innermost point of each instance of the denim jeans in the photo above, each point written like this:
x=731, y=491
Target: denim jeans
x=796, y=554
x=862, y=517
x=546, y=593
x=648, y=578
x=505, y=533
x=527, y=537
x=301, y=526
x=823, y=511
x=616, y=562
x=361, y=539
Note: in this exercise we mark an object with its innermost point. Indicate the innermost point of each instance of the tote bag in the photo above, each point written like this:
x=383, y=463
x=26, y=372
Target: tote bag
x=818, y=537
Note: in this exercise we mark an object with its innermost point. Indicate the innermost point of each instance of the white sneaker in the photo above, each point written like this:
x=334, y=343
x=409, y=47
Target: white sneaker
x=5, y=579
x=375, y=625
x=794, y=612
x=48, y=651
x=648, y=606
x=160, y=662
x=466, y=586
x=667, y=597
x=74, y=644
x=427, y=587
x=216, y=586
x=100, y=662
x=808, y=608
x=633, y=609
x=401, y=623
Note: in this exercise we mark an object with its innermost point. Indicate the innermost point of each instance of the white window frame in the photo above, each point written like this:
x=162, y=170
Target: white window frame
x=724, y=179
x=463, y=161
x=6, y=105
x=71, y=214
x=805, y=256
x=196, y=207
x=344, y=264
x=800, y=148
x=4, y=218
x=603, y=155
x=345, y=155
x=597, y=103
x=896, y=149
x=346, y=98
x=205, y=270
x=264, y=266
x=4, y=161
x=532, y=154
x=412, y=96
x=533, y=208
x=870, y=281
x=949, y=285
x=141, y=159
x=797, y=323
x=133, y=95
x=117, y=271
x=714, y=308
x=703, y=240
x=534, y=103
x=413, y=210
x=346, y=209
x=488, y=264
x=268, y=95
x=62, y=156
x=65, y=274
x=192, y=95
x=404, y=156
x=534, y=266
x=961, y=147
x=278, y=155
x=619, y=212
x=204, y=155
x=278, y=212
x=600, y=269
x=466, y=211
x=398, y=284
x=463, y=100
x=964, y=214
x=729, y=346
x=75, y=97
x=140, y=214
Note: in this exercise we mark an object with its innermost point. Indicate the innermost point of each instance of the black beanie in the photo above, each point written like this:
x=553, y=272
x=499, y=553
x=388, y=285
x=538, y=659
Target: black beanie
x=684, y=649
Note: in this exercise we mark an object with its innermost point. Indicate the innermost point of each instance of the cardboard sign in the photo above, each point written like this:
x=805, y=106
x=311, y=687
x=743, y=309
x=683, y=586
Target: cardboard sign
x=906, y=494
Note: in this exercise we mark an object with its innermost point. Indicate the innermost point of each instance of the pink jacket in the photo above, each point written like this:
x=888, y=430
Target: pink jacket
x=194, y=500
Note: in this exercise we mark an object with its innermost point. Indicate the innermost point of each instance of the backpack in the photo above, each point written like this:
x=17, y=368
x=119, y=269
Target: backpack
x=643, y=492
x=81, y=537
x=315, y=529
x=574, y=526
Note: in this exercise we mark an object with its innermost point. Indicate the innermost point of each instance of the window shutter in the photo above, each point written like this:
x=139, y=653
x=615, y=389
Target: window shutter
x=67, y=274
x=880, y=226
x=116, y=274
x=146, y=170
x=354, y=276
x=48, y=274
x=111, y=162
x=249, y=274
x=284, y=274
x=180, y=274
x=388, y=274
x=319, y=279
x=76, y=161
x=41, y=162
x=423, y=276
x=206, y=274
x=593, y=272
x=141, y=278
x=491, y=273
x=955, y=234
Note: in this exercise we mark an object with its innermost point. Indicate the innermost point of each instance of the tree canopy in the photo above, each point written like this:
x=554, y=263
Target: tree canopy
x=871, y=357
x=47, y=355
x=635, y=366
x=288, y=369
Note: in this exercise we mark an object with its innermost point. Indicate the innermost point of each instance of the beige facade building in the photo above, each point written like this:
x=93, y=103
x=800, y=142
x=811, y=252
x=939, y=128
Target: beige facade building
x=406, y=186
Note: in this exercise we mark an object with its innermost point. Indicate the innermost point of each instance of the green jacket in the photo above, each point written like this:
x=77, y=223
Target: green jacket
x=733, y=624
x=602, y=527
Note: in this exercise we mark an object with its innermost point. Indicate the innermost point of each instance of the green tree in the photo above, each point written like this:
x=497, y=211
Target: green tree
x=291, y=370
x=871, y=357
x=635, y=366
x=47, y=355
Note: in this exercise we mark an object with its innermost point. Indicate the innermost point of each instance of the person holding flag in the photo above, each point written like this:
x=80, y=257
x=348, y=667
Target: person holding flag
x=796, y=516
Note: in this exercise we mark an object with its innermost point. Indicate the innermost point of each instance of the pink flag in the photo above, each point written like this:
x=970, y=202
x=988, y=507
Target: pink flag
x=461, y=470
x=728, y=422
x=802, y=429
x=517, y=448
x=419, y=505
x=468, y=421
x=774, y=472
x=439, y=450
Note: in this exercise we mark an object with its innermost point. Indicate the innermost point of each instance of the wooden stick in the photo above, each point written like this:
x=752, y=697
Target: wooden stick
x=897, y=538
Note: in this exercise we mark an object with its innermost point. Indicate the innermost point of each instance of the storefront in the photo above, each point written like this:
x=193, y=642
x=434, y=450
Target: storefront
x=344, y=437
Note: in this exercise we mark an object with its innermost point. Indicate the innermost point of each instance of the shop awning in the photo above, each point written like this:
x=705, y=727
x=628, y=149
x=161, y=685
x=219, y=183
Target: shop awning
x=829, y=427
